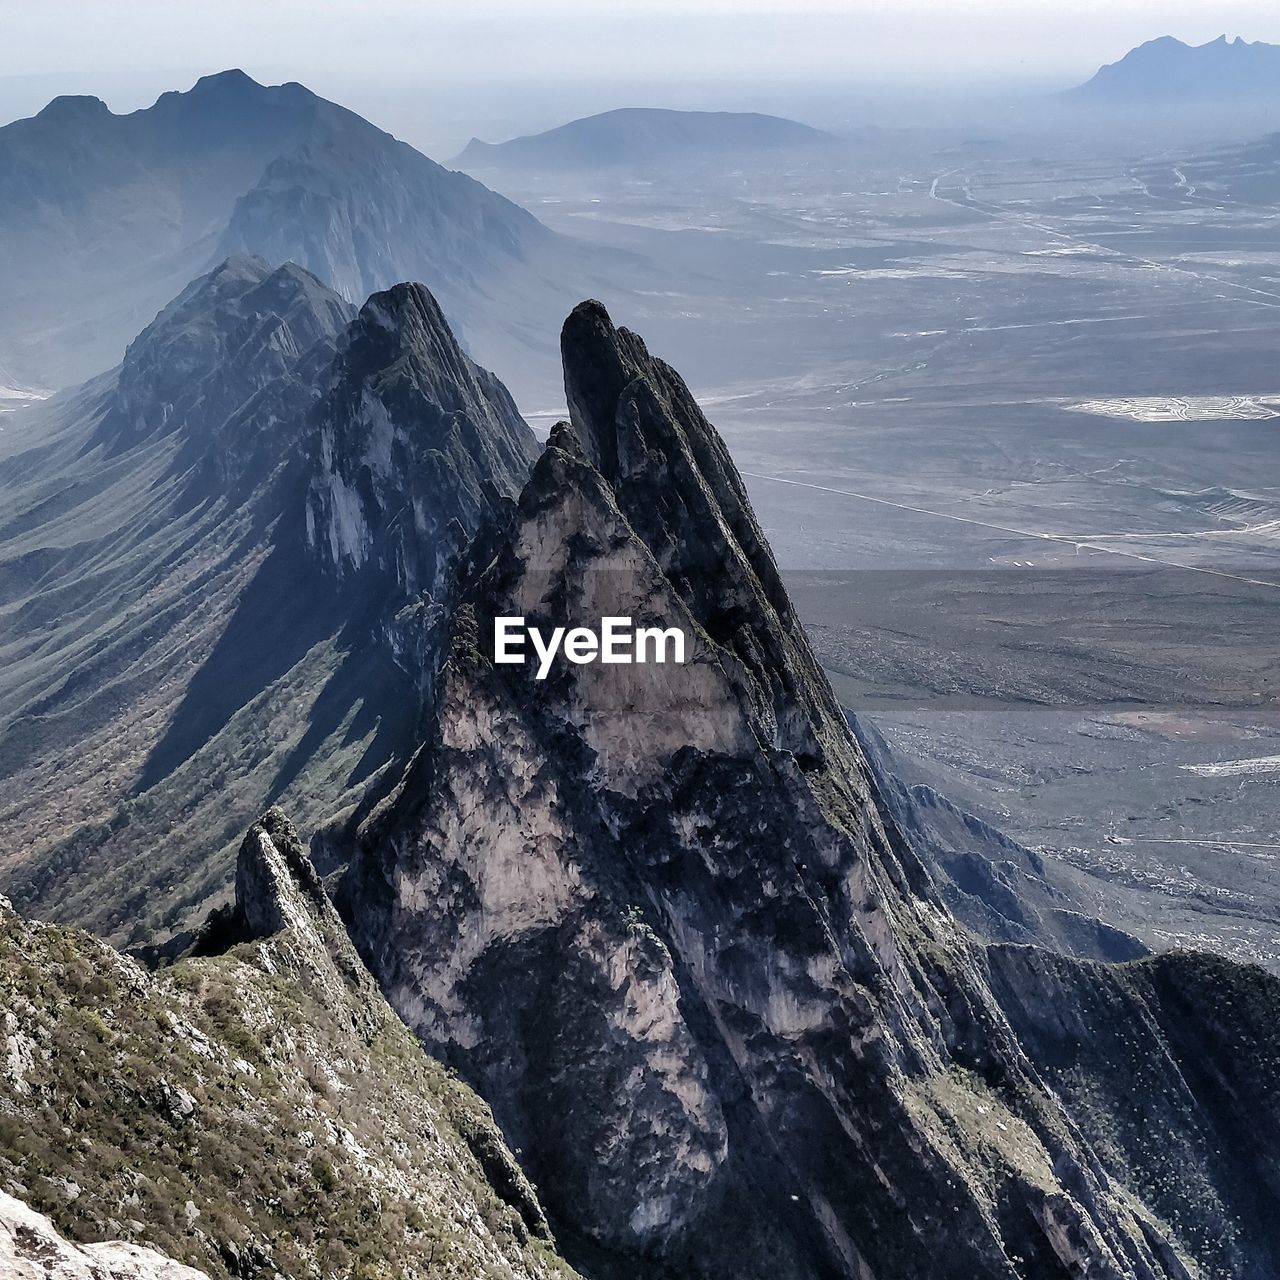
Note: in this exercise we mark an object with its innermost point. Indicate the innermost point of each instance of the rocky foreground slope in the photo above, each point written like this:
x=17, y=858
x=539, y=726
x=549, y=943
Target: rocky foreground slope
x=662, y=920
x=258, y=1111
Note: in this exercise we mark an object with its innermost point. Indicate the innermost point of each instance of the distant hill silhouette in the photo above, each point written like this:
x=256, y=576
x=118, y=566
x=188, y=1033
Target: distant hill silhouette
x=1167, y=70
x=642, y=136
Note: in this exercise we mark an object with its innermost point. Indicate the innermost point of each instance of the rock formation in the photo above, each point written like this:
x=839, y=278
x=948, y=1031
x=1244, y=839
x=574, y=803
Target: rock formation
x=657, y=915
x=32, y=1249
x=999, y=888
x=668, y=919
x=413, y=444
x=221, y=566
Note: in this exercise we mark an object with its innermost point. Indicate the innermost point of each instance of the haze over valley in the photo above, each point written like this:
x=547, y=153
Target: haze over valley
x=921, y=917
x=1033, y=376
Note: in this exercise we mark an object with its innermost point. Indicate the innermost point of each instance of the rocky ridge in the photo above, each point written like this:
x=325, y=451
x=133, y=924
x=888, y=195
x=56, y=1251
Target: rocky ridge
x=414, y=444
x=1169, y=72
x=659, y=917
x=218, y=575
x=1000, y=889
x=671, y=921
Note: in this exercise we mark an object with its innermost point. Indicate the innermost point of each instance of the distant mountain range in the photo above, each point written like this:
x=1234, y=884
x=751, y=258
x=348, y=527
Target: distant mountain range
x=642, y=136
x=105, y=217
x=1167, y=70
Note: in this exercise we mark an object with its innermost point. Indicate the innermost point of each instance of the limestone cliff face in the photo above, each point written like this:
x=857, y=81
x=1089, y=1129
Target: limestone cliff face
x=655, y=915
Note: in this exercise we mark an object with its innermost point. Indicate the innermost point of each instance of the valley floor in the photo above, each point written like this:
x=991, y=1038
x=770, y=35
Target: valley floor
x=1011, y=423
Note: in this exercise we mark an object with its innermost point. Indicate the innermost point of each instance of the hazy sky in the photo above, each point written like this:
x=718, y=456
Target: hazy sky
x=484, y=60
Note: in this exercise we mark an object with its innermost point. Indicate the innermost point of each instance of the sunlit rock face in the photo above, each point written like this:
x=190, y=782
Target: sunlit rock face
x=656, y=915
x=32, y=1249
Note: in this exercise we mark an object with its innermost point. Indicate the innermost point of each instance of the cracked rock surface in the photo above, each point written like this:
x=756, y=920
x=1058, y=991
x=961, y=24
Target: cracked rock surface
x=657, y=916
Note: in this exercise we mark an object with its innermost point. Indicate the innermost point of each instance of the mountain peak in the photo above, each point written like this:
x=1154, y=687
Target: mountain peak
x=227, y=334
x=672, y=476
x=414, y=443
x=233, y=80
x=1169, y=70
x=234, y=166
x=276, y=885
x=407, y=321
x=679, y=875
x=77, y=107
x=222, y=99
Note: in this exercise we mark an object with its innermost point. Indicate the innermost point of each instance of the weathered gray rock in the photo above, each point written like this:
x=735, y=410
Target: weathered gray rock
x=32, y=1249
x=657, y=916
x=277, y=887
x=413, y=446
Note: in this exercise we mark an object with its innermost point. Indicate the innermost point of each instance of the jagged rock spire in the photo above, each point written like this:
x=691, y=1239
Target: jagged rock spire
x=672, y=478
x=276, y=886
x=657, y=916
x=413, y=445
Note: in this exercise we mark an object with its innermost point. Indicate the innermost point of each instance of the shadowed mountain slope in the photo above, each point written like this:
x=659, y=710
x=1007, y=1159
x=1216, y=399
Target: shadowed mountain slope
x=105, y=217
x=999, y=888
x=180, y=646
